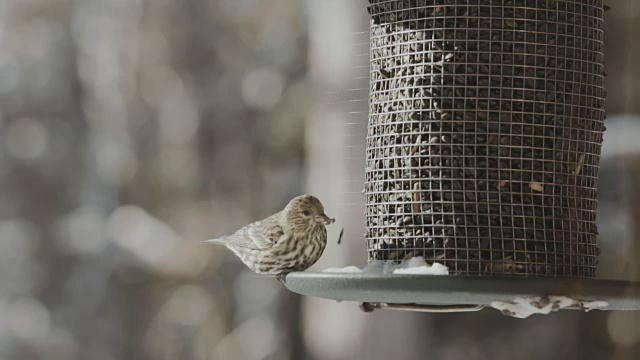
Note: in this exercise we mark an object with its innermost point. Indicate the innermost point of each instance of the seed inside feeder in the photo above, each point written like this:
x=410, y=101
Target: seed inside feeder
x=485, y=128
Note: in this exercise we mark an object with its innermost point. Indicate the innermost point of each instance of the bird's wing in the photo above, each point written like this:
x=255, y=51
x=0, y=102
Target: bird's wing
x=262, y=234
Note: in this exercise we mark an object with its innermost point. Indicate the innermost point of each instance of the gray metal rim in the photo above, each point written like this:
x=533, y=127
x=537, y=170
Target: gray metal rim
x=458, y=290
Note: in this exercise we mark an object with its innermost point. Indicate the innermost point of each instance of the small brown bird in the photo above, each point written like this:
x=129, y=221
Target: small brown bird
x=290, y=240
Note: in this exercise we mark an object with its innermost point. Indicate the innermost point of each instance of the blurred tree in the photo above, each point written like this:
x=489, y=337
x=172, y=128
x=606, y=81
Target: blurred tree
x=132, y=131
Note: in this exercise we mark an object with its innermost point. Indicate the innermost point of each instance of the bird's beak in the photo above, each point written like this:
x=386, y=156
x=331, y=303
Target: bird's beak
x=325, y=219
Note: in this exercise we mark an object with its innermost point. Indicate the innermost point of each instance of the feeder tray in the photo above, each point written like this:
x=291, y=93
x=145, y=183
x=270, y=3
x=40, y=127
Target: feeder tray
x=429, y=293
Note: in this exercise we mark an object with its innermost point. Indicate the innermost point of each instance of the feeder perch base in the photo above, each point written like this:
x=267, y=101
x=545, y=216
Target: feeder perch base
x=370, y=307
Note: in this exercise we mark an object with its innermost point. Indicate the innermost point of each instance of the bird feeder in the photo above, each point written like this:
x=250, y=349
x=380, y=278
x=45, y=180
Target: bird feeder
x=485, y=128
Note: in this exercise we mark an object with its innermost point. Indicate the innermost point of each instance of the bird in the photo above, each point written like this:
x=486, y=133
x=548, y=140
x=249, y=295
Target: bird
x=290, y=240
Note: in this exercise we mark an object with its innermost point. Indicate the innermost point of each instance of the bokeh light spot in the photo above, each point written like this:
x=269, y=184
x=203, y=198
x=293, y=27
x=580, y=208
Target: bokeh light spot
x=262, y=88
x=27, y=138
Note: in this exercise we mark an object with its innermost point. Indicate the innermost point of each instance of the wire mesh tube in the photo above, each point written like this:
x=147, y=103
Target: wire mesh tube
x=485, y=128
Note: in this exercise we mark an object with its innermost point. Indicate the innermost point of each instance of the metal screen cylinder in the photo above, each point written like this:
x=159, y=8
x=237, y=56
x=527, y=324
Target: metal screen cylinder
x=485, y=128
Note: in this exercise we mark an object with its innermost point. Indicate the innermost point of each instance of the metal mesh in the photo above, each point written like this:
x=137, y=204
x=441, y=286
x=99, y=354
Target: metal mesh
x=485, y=128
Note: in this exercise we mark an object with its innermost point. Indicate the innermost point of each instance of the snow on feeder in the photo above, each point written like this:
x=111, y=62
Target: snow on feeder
x=485, y=127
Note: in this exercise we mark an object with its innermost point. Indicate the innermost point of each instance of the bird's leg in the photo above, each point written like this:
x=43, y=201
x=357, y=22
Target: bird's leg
x=281, y=278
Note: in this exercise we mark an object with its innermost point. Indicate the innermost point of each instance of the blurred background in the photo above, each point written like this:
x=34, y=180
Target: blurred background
x=131, y=130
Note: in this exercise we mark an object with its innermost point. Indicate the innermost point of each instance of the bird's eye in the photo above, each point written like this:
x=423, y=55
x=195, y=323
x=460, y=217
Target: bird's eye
x=306, y=213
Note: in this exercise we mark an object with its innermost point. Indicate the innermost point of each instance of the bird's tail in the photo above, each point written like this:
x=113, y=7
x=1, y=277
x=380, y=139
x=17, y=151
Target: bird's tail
x=218, y=241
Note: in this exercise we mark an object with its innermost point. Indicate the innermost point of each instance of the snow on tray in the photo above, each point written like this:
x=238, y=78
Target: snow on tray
x=348, y=269
x=417, y=266
x=524, y=307
x=414, y=266
x=593, y=305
